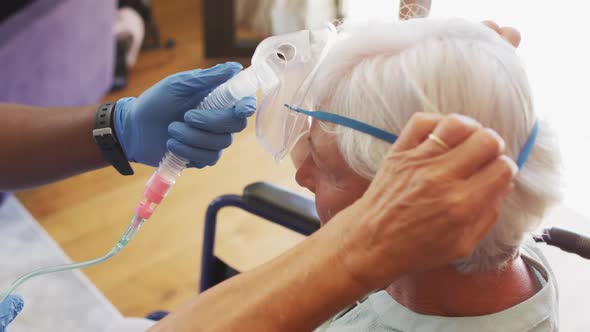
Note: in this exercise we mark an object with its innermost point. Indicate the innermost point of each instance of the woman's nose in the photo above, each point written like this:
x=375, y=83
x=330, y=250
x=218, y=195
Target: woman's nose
x=304, y=175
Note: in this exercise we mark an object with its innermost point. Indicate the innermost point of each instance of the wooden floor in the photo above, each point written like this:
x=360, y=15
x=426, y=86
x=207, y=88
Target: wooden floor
x=160, y=268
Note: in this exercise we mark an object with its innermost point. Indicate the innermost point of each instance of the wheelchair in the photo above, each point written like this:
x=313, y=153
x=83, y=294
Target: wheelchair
x=298, y=214
x=261, y=199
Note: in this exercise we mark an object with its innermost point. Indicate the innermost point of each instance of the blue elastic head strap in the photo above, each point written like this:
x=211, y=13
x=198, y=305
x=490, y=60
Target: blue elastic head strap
x=349, y=123
x=528, y=146
x=391, y=138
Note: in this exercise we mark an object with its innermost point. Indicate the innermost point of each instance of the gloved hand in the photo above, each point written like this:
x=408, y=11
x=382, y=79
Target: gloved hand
x=163, y=117
x=9, y=309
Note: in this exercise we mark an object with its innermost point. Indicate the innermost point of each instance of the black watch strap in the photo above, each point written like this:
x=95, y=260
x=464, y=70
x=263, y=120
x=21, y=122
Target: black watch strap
x=104, y=136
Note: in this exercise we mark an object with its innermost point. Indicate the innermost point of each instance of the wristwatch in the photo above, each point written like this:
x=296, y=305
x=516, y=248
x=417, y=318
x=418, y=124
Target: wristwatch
x=105, y=138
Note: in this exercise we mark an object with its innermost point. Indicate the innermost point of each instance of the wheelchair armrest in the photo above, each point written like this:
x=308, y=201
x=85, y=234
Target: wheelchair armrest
x=293, y=210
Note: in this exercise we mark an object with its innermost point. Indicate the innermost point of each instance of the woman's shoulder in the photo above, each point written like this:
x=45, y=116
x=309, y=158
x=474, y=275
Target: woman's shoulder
x=532, y=255
x=364, y=315
x=381, y=312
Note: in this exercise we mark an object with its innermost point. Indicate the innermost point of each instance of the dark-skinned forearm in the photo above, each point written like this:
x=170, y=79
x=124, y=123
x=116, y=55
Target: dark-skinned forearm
x=41, y=145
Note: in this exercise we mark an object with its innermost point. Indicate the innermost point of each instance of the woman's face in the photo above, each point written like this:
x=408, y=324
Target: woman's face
x=325, y=173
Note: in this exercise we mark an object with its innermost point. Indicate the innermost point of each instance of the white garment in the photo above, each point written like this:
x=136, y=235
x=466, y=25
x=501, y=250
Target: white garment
x=130, y=325
x=380, y=312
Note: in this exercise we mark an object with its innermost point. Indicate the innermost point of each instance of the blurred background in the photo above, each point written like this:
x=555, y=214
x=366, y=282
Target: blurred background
x=74, y=52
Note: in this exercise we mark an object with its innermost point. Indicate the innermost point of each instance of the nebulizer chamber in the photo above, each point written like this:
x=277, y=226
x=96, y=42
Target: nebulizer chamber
x=281, y=69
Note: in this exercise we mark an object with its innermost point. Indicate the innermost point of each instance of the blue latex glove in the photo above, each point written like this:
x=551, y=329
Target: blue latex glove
x=9, y=309
x=163, y=117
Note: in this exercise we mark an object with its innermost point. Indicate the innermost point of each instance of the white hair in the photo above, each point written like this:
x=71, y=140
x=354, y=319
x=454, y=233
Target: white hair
x=383, y=73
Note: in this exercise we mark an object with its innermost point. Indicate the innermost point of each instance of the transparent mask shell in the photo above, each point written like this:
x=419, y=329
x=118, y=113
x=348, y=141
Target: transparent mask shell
x=293, y=58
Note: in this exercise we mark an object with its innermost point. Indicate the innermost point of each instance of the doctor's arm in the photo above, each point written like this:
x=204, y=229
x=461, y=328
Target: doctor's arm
x=39, y=145
x=383, y=235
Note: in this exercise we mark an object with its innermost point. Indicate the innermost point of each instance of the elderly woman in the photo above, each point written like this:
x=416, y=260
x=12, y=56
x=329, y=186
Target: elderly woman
x=380, y=75
x=425, y=207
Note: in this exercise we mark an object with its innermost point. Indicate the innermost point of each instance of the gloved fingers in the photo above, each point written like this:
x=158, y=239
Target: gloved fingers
x=215, y=121
x=232, y=120
x=195, y=164
x=245, y=107
x=194, y=85
x=9, y=309
x=198, y=138
x=198, y=157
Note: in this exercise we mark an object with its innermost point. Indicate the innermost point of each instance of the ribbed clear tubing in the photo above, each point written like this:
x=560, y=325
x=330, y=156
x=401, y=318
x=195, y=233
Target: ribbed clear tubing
x=171, y=166
x=220, y=98
x=226, y=95
x=125, y=238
